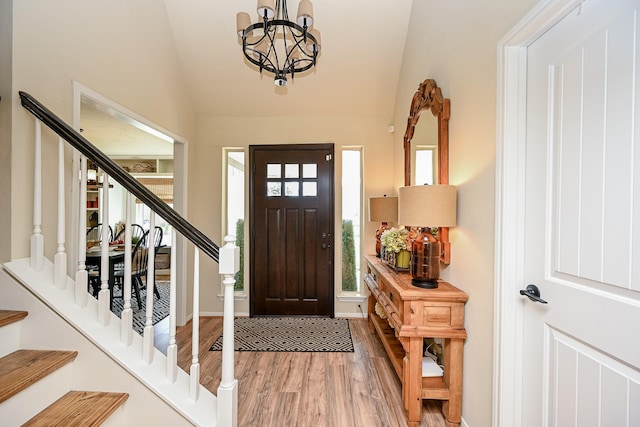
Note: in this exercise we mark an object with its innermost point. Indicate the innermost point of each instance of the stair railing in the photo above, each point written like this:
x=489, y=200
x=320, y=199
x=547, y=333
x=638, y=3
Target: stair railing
x=227, y=257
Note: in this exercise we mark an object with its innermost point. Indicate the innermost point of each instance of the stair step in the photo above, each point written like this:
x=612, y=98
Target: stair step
x=20, y=369
x=8, y=317
x=79, y=408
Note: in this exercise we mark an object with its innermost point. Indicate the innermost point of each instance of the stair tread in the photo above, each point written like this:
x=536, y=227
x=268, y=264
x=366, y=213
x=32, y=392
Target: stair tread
x=79, y=408
x=20, y=369
x=10, y=316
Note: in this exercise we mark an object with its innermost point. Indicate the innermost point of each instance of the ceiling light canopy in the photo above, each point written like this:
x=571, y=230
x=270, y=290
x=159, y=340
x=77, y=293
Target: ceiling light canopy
x=283, y=46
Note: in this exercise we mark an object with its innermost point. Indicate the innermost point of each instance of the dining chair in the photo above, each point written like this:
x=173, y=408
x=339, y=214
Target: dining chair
x=137, y=233
x=139, y=260
x=140, y=264
x=94, y=235
x=94, y=238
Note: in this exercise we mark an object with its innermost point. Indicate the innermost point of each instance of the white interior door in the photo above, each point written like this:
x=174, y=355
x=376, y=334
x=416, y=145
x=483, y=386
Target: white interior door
x=581, y=351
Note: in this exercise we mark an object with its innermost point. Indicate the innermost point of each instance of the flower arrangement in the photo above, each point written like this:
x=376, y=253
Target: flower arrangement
x=395, y=239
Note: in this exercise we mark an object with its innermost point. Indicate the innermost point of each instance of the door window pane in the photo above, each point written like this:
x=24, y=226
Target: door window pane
x=274, y=170
x=291, y=170
x=310, y=189
x=274, y=188
x=292, y=189
x=309, y=170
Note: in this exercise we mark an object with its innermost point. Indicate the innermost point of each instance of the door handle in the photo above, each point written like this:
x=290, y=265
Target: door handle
x=323, y=246
x=533, y=293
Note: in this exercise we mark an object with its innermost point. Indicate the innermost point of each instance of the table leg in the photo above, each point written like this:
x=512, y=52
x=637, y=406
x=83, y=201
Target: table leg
x=452, y=409
x=412, y=381
x=371, y=303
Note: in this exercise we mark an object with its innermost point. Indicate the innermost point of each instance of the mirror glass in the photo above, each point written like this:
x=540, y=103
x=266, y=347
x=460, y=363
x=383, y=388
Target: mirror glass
x=424, y=150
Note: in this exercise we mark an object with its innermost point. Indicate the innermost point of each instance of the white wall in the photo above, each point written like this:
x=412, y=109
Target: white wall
x=455, y=44
x=121, y=49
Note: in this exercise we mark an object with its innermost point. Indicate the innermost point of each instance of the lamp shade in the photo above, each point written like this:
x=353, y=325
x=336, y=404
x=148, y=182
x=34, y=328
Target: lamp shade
x=243, y=20
x=427, y=206
x=383, y=209
x=305, y=13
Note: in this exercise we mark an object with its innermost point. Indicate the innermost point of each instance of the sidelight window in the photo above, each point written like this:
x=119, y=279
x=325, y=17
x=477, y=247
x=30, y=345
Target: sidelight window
x=351, y=217
x=235, y=195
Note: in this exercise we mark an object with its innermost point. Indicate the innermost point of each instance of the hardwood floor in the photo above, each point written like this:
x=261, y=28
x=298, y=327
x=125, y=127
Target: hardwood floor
x=308, y=389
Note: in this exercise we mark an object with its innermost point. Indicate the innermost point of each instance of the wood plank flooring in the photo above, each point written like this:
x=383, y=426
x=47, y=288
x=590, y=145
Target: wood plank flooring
x=309, y=389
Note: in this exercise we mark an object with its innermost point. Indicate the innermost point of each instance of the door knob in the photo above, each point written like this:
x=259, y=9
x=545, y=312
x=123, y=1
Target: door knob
x=323, y=246
x=533, y=293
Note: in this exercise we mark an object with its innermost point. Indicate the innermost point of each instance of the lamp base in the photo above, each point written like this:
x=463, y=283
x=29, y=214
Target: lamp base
x=425, y=284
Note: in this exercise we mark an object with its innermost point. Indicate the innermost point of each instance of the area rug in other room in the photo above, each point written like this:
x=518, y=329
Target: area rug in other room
x=160, y=306
x=293, y=334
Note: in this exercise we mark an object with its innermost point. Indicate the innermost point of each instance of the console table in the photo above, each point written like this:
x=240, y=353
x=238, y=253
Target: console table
x=417, y=313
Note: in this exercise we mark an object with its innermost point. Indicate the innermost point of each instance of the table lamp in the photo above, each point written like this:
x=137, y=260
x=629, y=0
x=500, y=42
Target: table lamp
x=426, y=206
x=384, y=210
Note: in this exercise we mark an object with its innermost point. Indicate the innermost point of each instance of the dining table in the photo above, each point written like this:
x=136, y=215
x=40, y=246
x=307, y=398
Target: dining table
x=94, y=259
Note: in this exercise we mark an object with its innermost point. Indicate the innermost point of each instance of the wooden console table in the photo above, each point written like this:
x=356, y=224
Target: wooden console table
x=417, y=313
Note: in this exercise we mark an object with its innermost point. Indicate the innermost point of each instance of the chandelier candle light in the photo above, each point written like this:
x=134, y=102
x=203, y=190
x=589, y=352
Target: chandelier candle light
x=283, y=46
x=426, y=206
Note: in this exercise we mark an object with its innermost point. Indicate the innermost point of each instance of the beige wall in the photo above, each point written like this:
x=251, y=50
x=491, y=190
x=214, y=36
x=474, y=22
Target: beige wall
x=455, y=44
x=5, y=128
x=121, y=49
x=214, y=133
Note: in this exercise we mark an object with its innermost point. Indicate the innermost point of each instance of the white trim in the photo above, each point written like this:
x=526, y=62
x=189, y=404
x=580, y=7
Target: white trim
x=236, y=297
x=352, y=297
x=510, y=205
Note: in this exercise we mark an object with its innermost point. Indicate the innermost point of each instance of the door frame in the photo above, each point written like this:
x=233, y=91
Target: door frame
x=250, y=164
x=510, y=205
x=180, y=184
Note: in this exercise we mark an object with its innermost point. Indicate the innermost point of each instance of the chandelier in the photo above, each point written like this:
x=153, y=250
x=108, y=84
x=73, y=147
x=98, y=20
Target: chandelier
x=283, y=46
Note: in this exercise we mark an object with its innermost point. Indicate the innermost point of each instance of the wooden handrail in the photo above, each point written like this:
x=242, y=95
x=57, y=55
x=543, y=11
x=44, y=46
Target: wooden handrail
x=77, y=141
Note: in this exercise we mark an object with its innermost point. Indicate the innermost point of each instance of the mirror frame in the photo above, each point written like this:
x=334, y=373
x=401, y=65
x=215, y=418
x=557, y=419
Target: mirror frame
x=429, y=97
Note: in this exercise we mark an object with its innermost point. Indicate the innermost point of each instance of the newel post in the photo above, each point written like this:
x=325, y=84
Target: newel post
x=228, y=390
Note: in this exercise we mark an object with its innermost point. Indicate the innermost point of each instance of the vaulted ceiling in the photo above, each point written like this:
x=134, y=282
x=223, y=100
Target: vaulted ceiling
x=357, y=71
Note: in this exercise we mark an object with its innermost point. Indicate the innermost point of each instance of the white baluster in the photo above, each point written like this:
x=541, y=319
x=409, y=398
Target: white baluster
x=60, y=258
x=172, y=349
x=82, y=277
x=194, y=371
x=228, y=390
x=147, y=348
x=104, y=296
x=37, y=239
x=126, y=332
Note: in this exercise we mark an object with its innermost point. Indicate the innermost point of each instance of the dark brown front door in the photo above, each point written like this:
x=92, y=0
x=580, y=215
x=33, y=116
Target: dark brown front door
x=291, y=222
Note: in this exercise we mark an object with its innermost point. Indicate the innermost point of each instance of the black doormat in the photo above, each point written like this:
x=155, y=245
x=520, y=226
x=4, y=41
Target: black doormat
x=293, y=334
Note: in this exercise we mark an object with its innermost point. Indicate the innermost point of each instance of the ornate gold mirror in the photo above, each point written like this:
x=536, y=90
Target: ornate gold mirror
x=425, y=135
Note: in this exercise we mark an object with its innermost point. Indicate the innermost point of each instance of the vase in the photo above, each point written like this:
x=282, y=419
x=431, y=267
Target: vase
x=398, y=260
x=403, y=259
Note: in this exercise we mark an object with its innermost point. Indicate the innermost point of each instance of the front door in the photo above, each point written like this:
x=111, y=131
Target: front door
x=291, y=222
x=581, y=363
